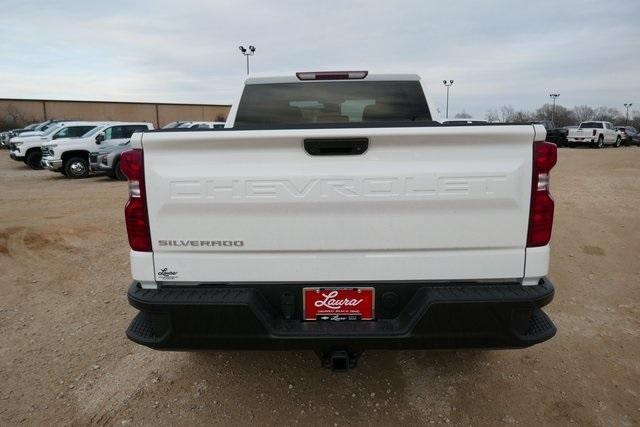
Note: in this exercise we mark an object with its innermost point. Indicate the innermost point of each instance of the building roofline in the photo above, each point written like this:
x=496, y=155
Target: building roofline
x=115, y=102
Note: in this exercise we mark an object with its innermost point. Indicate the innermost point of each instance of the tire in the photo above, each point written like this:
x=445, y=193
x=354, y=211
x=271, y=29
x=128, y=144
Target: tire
x=618, y=141
x=76, y=167
x=600, y=143
x=119, y=175
x=33, y=160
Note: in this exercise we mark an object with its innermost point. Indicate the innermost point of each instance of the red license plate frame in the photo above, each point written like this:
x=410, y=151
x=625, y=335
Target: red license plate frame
x=338, y=303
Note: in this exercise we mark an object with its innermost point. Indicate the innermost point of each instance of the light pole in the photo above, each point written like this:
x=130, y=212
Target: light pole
x=554, y=96
x=247, y=53
x=627, y=106
x=448, y=85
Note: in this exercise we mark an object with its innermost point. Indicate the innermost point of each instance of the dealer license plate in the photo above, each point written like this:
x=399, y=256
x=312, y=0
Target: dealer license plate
x=338, y=304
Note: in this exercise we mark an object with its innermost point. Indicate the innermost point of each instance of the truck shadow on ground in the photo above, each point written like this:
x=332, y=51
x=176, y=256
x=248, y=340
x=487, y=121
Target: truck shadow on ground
x=371, y=362
x=394, y=386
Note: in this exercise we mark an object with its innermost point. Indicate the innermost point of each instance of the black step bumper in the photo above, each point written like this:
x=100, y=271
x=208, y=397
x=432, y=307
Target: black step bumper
x=409, y=316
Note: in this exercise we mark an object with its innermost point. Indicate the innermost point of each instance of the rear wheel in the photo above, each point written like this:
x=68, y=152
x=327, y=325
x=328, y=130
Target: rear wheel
x=33, y=160
x=76, y=167
x=118, y=172
x=618, y=141
x=600, y=143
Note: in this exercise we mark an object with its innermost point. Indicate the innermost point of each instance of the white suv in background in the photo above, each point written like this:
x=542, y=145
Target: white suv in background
x=71, y=156
x=29, y=148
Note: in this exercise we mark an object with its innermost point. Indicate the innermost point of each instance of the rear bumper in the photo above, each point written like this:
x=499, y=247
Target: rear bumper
x=409, y=316
x=585, y=140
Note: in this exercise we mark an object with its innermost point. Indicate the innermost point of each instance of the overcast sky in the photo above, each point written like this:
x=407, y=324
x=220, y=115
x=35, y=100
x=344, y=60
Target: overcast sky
x=497, y=52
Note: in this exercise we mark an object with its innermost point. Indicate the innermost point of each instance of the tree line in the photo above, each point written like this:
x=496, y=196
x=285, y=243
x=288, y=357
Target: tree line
x=562, y=116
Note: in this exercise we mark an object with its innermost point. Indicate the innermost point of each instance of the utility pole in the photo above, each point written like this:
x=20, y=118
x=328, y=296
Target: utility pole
x=448, y=85
x=627, y=106
x=247, y=53
x=554, y=96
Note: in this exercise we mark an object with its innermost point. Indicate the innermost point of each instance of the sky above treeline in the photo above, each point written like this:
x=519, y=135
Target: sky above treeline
x=497, y=52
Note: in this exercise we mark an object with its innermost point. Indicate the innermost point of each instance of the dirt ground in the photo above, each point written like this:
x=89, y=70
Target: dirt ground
x=64, y=358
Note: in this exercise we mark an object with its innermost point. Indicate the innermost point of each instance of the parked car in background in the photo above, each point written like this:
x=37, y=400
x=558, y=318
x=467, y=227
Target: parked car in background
x=463, y=122
x=629, y=135
x=39, y=128
x=71, y=156
x=595, y=133
x=4, y=139
x=554, y=134
x=7, y=135
x=201, y=125
x=173, y=125
x=185, y=124
x=29, y=148
x=108, y=161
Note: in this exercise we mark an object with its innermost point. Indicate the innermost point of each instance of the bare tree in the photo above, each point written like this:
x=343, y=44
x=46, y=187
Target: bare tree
x=492, y=115
x=506, y=113
x=583, y=113
x=510, y=115
x=463, y=115
x=562, y=116
x=14, y=118
x=608, y=114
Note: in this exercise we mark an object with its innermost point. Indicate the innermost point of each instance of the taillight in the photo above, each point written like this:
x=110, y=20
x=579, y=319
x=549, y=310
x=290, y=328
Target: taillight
x=332, y=75
x=135, y=211
x=594, y=132
x=545, y=156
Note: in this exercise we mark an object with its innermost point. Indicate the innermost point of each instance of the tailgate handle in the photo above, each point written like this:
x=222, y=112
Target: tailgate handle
x=336, y=146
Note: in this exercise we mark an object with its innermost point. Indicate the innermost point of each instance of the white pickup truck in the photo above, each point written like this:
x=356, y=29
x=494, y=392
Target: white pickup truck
x=595, y=133
x=70, y=156
x=334, y=213
x=28, y=148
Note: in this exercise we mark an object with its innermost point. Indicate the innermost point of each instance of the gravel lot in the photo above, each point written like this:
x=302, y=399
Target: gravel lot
x=64, y=358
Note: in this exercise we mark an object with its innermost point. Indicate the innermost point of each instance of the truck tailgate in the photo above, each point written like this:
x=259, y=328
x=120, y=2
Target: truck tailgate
x=422, y=203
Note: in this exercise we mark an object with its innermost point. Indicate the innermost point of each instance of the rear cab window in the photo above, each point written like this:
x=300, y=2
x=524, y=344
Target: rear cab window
x=332, y=102
x=591, y=125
